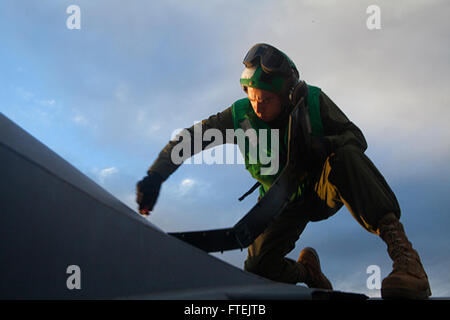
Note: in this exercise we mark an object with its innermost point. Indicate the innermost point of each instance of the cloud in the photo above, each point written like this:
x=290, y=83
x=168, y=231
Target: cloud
x=24, y=94
x=107, y=172
x=40, y=107
x=186, y=186
x=121, y=92
x=187, y=183
x=80, y=120
x=46, y=103
x=103, y=175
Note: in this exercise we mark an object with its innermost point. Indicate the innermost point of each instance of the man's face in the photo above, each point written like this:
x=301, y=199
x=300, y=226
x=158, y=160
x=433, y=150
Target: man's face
x=266, y=104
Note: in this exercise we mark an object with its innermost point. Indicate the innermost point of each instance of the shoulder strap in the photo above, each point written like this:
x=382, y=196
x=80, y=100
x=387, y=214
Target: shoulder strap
x=249, y=192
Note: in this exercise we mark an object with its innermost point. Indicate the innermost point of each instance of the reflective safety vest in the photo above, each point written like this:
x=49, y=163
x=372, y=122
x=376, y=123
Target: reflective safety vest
x=245, y=118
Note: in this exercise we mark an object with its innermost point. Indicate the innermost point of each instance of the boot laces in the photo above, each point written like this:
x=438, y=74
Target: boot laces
x=399, y=247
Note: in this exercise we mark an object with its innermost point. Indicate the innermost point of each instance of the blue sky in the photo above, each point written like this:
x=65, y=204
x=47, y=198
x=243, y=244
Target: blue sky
x=107, y=98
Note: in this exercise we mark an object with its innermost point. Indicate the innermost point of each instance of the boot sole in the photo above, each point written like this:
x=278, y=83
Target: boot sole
x=400, y=293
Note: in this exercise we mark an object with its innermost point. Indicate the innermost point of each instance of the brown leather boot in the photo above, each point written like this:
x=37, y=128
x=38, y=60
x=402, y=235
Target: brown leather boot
x=314, y=278
x=408, y=279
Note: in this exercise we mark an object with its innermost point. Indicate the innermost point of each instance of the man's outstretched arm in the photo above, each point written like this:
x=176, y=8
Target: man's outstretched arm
x=164, y=165
x=147, y=190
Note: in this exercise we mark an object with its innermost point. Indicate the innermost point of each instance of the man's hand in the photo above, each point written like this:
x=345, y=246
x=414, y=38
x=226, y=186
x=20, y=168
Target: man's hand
x=147, y=191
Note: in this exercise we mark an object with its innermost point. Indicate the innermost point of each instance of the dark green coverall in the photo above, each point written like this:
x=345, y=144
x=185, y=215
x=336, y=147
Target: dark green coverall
x=347, y=176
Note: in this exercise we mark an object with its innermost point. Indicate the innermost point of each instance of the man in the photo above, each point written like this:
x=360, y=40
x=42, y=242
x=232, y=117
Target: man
x=340, y=174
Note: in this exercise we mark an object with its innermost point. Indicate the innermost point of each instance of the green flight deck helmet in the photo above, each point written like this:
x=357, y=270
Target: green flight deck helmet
x=268, y=68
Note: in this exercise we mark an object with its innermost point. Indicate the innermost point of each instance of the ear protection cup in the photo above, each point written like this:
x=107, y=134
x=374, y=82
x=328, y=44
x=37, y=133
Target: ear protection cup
x=300, y=90
x=289, y=86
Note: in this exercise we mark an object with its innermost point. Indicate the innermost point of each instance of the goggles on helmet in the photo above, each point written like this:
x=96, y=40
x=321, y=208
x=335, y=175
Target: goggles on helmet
x=269, y=58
